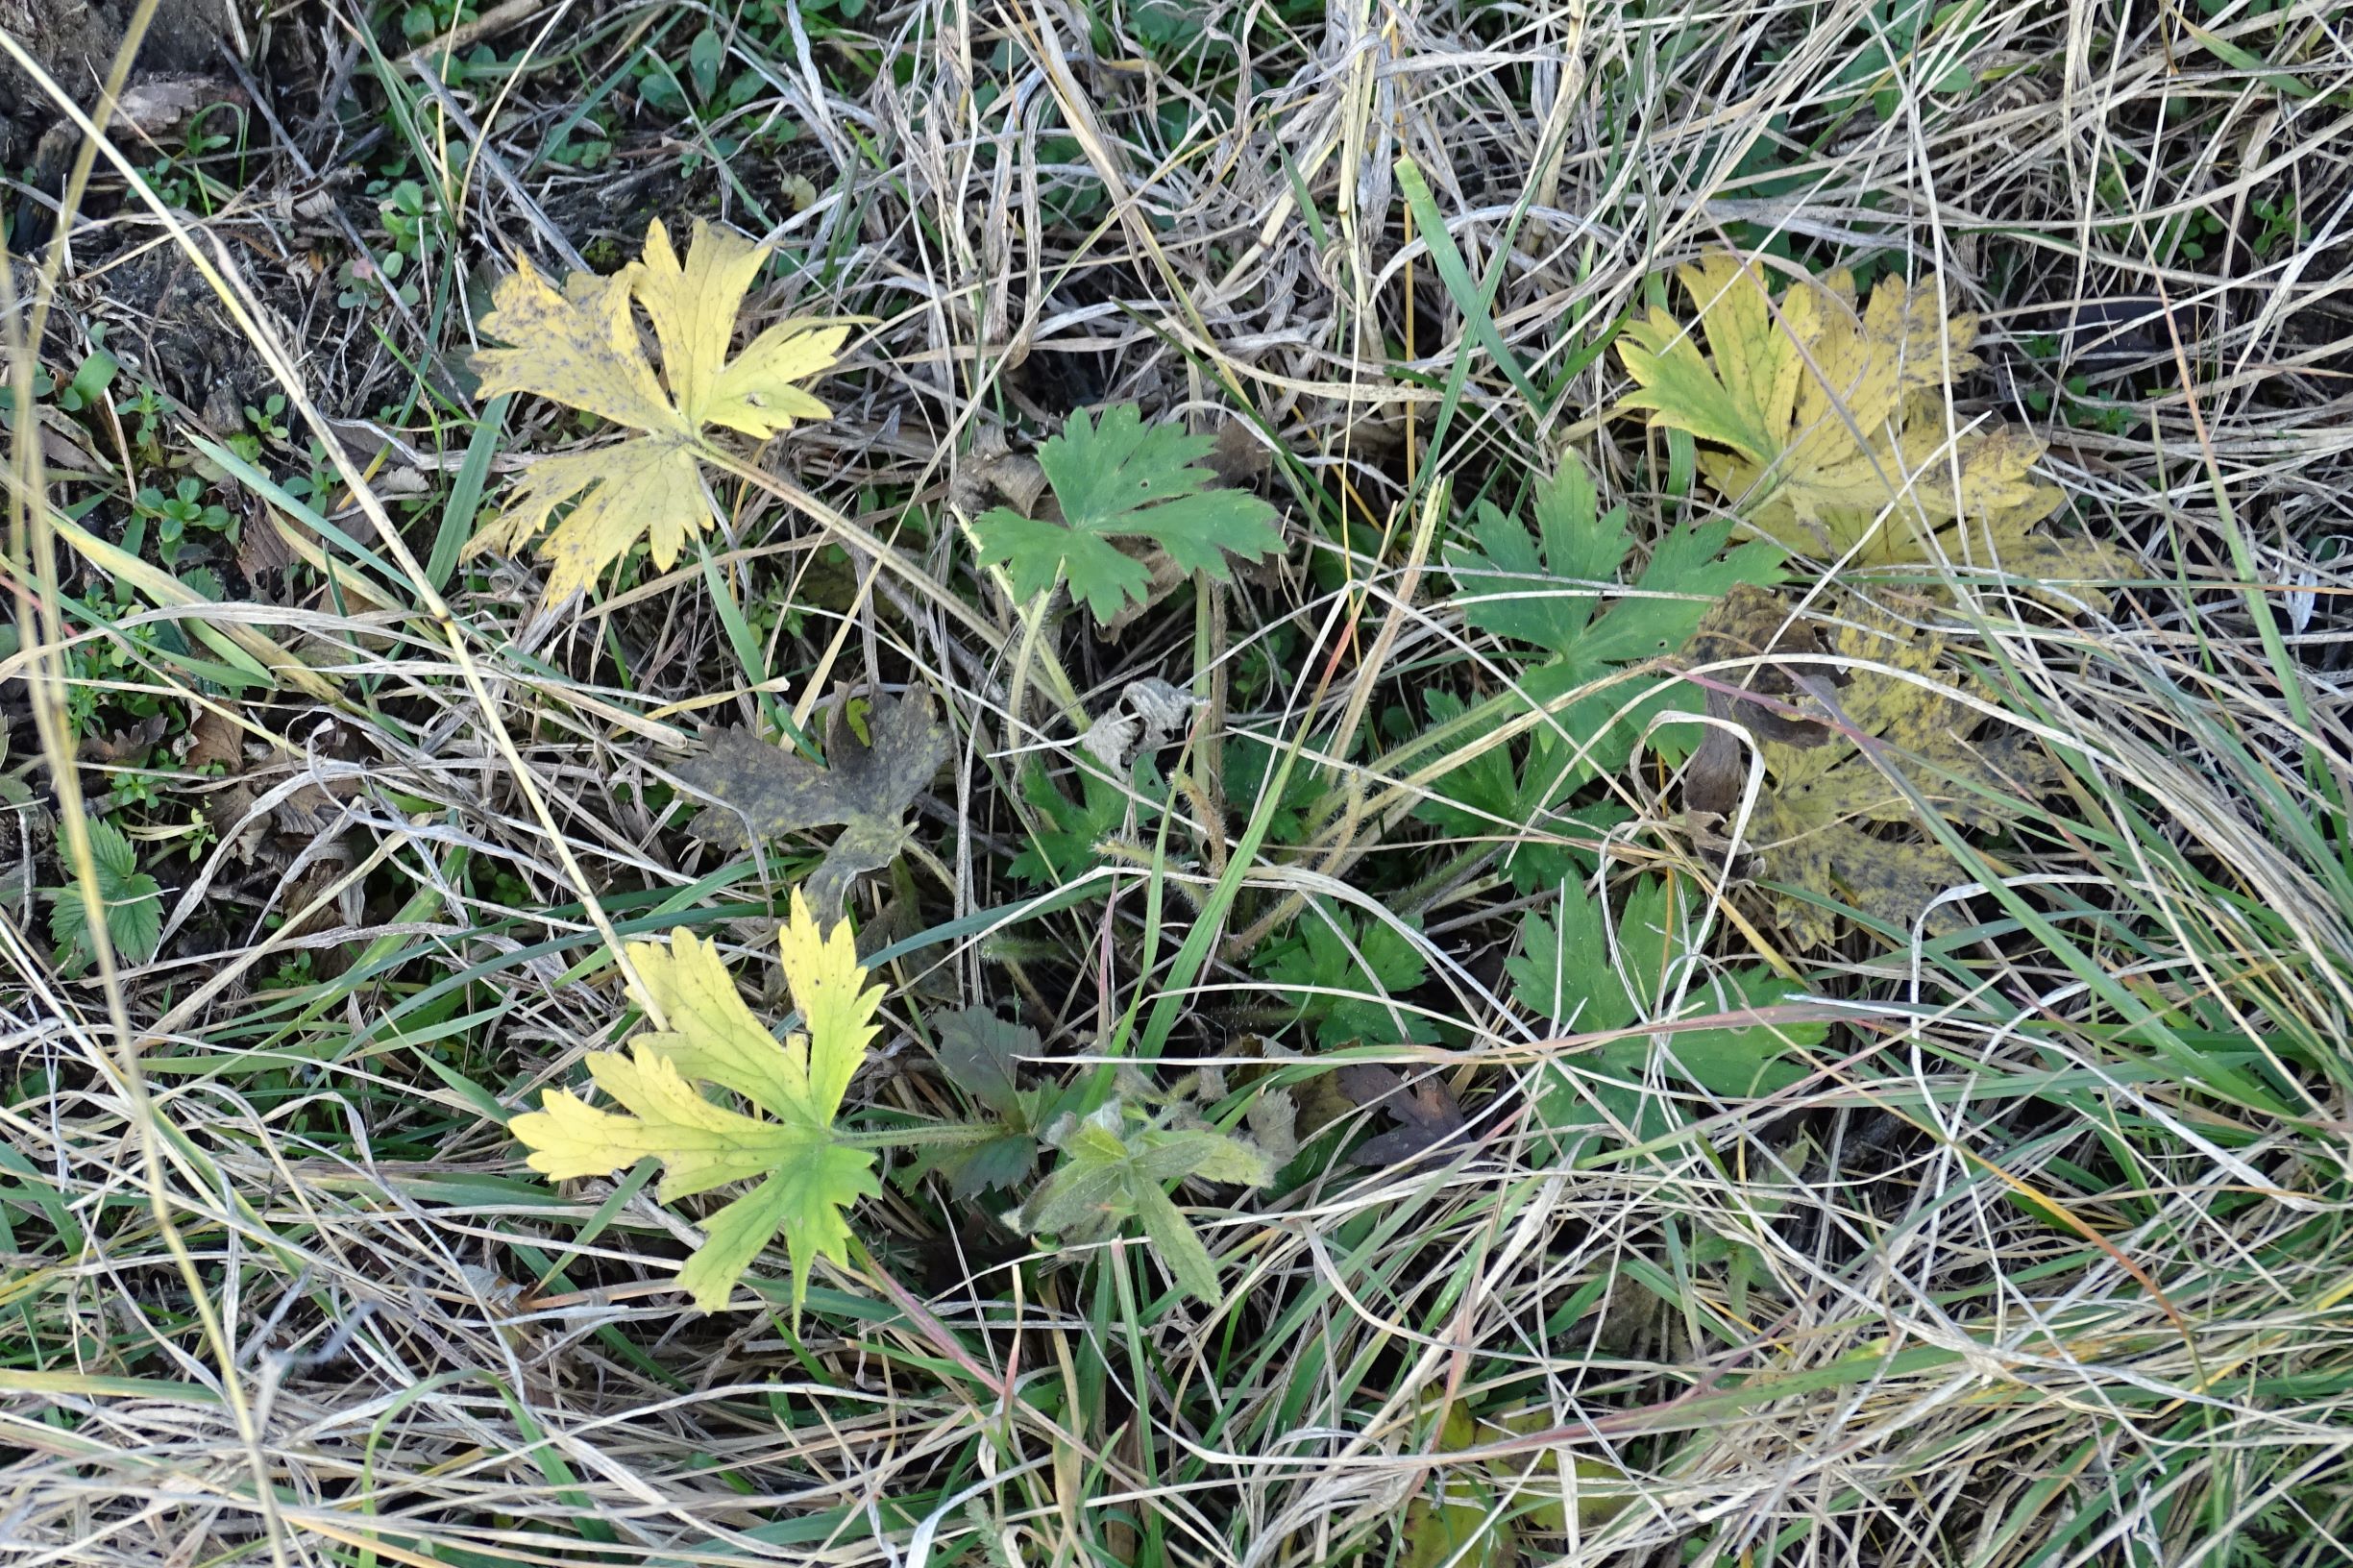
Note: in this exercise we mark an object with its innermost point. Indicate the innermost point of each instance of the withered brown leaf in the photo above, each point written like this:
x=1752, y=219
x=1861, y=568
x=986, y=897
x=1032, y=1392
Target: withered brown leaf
x=1750, y=621
x=1425, y=1111
x=864, y=785
x=125, y=746
x=1844, y=818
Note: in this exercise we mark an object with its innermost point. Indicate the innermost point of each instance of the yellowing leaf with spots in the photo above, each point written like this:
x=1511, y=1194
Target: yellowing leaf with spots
x=1841, y=441
x=1840, y=817
x=579, y=346
x=785, y=1141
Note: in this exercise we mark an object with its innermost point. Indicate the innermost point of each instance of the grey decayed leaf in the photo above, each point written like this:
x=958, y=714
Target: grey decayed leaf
x=1163, y=708
x=1154, y=711
x=864, y=786
x=1274, y=1125
x=1111, y=737
x=981, y=1053
x=125, y=746
x=990, y=475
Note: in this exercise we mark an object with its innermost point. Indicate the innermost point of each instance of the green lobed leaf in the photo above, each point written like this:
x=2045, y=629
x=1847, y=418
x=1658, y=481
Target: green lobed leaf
x=1329, y=953
x=1111, y=1172
x=1250, y=764
x=1070, y=836
x=1547, y=589
x=135, y=918
x=1568, y=974
x=981, y=1053
x=111, y=850
x=808, y=1199
x=1086, y=1197
x=1563, y=970
x=1117, y=478
x=997, y=1165
x=1551, y=590
x=1521, y=585
x=1491, y=797
x=1178, y=1243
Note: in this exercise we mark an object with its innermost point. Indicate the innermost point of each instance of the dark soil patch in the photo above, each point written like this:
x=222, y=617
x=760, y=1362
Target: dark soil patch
x=74, y=42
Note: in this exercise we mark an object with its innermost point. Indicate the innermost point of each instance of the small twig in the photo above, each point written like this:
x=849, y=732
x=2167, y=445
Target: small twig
x=496, y=19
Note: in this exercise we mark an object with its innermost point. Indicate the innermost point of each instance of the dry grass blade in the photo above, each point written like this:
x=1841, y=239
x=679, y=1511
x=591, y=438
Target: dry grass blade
x=1292, y=1212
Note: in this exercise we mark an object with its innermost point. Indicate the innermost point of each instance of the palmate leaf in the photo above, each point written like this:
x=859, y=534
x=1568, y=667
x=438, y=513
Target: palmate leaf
x=1833, y=822
x=1068, y=846
x=1556, y=589
x=865, y=784
x=1561, y=589
x=1492, y=799
x=1117, y=477
x=981, y=1053
x=807, y=1179
x=1111, y=1172
x=579, y=346
x=1569, y=973
x=1841, y=440
x=1344, y=970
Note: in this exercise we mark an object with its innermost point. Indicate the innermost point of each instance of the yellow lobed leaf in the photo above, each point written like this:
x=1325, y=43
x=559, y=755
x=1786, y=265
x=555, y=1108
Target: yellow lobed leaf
x=1740, y=399
x=581, y=346
x=807, y=1179
x=755, y=393
x=837, y=1007
x=700, y=1144
x=646, y=487
x=1862, y=370
x=1842, y=444
x=693, y=305
x=570, y=1139
x=712, y=1037
x=578, y=347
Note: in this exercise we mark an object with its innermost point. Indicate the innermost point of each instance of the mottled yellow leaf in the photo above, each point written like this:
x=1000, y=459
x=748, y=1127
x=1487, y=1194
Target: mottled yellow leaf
x=693, y=310
x=692, y=307
x=646, y=487
x=1834, y=821
x=578, y=347
x=807, y=1178
x=581, y=346
x=1842, y=441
